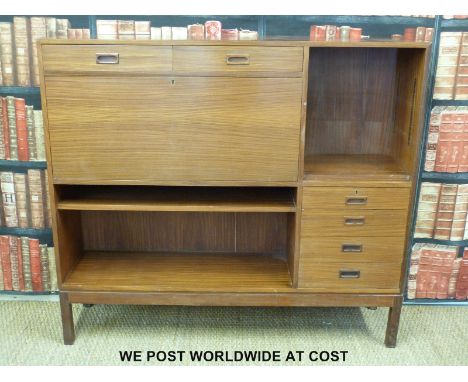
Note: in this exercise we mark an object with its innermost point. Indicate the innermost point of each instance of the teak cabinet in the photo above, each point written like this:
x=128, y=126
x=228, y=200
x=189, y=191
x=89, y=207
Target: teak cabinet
x=246, y=173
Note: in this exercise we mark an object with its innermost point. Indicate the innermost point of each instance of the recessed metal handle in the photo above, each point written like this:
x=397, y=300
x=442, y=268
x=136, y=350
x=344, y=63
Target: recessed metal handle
x=351, y=248
x=237, y=59
x=107, y=58
x=349, y=274
x=358, y=220
x=356, y=200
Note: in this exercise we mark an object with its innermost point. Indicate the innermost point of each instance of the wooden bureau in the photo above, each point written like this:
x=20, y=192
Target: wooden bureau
x=241, y=173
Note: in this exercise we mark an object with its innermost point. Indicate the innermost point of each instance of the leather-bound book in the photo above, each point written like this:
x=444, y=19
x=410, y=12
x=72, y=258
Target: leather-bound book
x=463, y=164
x=230, y=34
x=51, y=27
x=429, y=35
x=453, y=278
x=433, y=139
x=7, y=54
x=6, y=262
x=2, y=286
x=196, y=32
x=71, y=34
x=126, y=29
x=52, y=269
x=445, y=211
x=459, y=215
x=330, y=32
x=20, y=27
x=48, y=213
x=86, y=34
x=36, y=198
x=142, y=30
x=31, y=133
x=461, y=292
x=155, y=33
x=62, y=28
x=5, y=127
x=12, y=127
x=413, y=270
x=456, y=140
x=8, y=199
x=20, y=264
x=38, y=31
x=420, y=34
x=445, y=270
x=445, y=142
x=39, y=135
x=22, y=202
x=21, y=129
x=423, y=275
x=35, y=259
x=44, y=267
x=107, y=29
x=179, y=33
x=447, y=63
x=213, y=30
x=461, y=83
x=2, y=131
x=427, y=209
x=26, y=264
x=14, y=262
x=409, y=34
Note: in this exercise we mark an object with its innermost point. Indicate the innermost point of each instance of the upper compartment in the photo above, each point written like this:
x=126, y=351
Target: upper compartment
x=364, y=112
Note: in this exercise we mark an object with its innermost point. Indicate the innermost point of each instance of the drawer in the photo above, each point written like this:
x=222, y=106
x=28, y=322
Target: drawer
x=359, y=198
x=106, y=59
x=350, y=277
x=222, y=60
x=355, y=222
x=351, y=249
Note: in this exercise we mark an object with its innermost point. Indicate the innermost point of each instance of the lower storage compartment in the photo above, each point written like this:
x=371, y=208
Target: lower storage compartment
x=350, y=277
x=174, y=251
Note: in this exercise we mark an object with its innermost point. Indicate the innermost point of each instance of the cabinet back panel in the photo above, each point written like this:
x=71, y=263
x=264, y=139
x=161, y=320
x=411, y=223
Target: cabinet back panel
x=185, y=231
x=185, y=129
x=351, y=98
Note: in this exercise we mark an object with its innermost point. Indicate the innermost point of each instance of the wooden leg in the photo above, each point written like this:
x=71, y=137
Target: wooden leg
x=67, y=320
x=393, y=322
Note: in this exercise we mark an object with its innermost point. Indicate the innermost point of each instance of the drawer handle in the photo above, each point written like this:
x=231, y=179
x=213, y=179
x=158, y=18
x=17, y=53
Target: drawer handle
x=360, y=220
x=107, y=58
x=237, y=59
x=351, y=248
x=347, y=274
x=356, y=200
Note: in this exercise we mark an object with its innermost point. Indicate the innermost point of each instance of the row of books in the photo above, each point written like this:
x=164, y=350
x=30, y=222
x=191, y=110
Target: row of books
x=18, y=49
x=442, y=211
x=436, y=272
x=142, y=30
x=334, y=33
x=418, y=34
x=25, y=199
x=452, y=66
x=447, y=142
x=26, y=265
x=21, y=131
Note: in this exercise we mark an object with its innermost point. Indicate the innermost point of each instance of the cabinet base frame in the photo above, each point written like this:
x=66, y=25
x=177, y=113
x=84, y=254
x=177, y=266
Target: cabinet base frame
x=293, y=299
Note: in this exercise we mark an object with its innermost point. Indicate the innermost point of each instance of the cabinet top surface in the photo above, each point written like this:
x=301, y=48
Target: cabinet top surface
x=268, y=42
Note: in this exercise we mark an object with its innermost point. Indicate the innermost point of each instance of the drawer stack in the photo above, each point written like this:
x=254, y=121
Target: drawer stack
x=352, y=239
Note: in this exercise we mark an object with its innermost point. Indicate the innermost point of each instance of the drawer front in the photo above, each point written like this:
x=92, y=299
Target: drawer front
x=359, y=198
x=185, y=130
x=351, y=249
x=354, y=222
x=79, y=59
x=350, y=277
x=222, y=60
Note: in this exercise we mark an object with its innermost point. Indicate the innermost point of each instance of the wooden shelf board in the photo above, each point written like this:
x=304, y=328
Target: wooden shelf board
x=177, y=272
x=214, y=199
x=378, y=167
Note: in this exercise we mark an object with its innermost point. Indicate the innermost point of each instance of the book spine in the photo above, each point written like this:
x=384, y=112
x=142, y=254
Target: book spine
x=21, y=129
x=445, y=211
x=459, y=215
x=432, y=139
x=31, y=132
x=21, y=199
x=444, y=269
x=6, y=128
x=422, y=277
x=107, y=29
x=445, y=140
x=1, y=75
x=52, y=269
x=143, y=30
x=39, y=135
x=38, y=31
x=36, y=198
x=9, y=199
x=48, y=211
x=126, y=29
x=26, y=264
x=86, y=34
x=2, y=131
x=20, y=27
x=20, y=263
x=6, y=262
x=6, y=51
x=14, y=262
x=453, y=278
x=2, y=286
x=463, y=165
x=413, y=270
x=62, y=28
x=12, y=127
x=461, y=84
x=449, y=50
x=45, y=267
x=427, y=209
x=461, y=291
x=456, y=142
x=51, y=27
x=35, y=260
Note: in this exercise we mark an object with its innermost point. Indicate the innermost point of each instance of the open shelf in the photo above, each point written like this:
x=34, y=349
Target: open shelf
x=213, y=199
x=368, y=166
x=152, y=272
